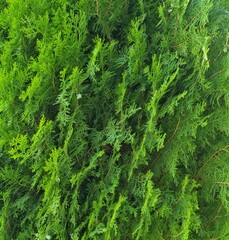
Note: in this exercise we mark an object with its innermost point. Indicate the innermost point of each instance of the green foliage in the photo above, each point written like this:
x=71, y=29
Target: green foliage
x=114, y=119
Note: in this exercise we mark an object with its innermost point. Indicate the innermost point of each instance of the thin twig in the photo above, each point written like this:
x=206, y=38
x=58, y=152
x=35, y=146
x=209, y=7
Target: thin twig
x=171, y=137
x=97, y=7
x=177, y=235
x=223, y=183
x=216, y=213
x=212, y=156
x=215, y=74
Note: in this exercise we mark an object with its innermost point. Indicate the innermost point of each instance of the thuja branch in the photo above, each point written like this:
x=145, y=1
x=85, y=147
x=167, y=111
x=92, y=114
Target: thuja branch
x=170, y=138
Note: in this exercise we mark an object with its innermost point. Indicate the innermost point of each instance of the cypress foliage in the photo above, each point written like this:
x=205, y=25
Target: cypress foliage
x=114, y=119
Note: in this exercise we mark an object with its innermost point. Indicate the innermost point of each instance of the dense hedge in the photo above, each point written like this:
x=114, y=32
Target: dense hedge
x=114, y=119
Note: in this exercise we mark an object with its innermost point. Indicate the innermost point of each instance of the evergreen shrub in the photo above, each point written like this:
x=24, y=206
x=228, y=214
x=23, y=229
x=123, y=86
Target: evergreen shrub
x=114, y=119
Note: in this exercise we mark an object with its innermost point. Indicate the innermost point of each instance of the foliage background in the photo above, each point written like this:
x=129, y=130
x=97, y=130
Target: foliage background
x=114, y=119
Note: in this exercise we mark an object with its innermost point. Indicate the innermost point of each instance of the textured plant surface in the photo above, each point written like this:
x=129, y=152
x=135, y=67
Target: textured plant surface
x=114, y=119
